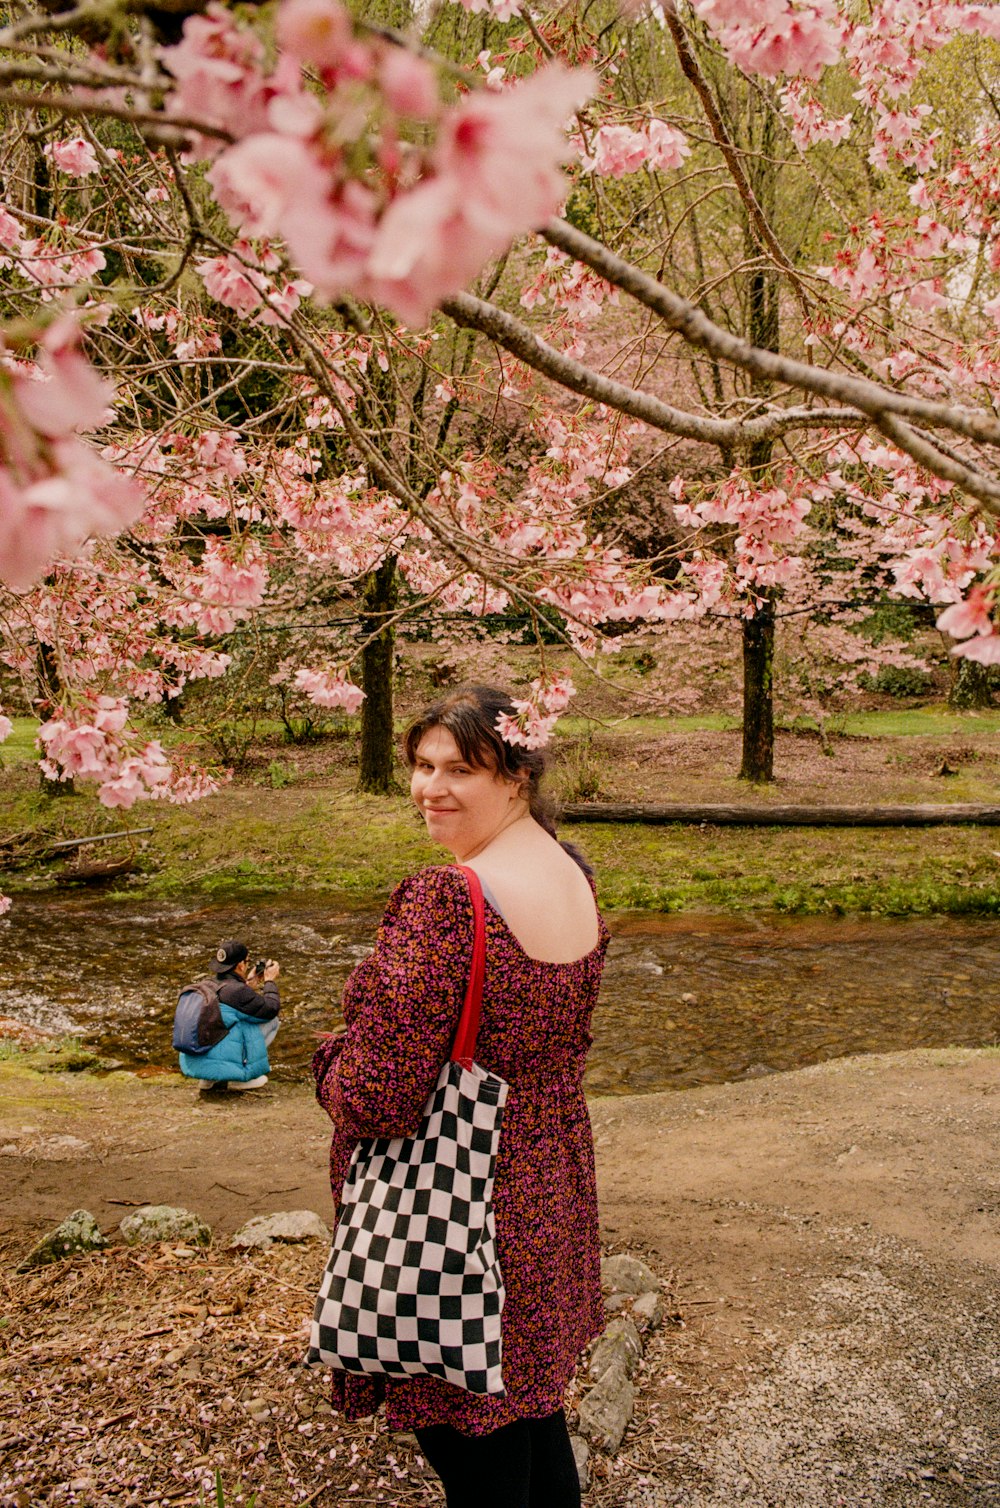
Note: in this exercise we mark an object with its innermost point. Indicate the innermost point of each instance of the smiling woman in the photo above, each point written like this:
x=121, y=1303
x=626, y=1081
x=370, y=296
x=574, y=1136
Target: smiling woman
x=545, y=945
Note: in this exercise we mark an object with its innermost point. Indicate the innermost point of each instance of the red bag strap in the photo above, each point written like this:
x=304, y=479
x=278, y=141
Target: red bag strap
x=463, y=1049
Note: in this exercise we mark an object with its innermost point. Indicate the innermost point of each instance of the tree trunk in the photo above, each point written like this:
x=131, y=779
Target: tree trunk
x=49, y=690
x=758, y=701
x=377, y=762
x=971, y=689
x=762, y=331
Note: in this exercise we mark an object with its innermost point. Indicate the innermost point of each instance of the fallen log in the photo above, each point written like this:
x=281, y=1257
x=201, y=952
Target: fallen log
x=782, y=816
x=94, y=873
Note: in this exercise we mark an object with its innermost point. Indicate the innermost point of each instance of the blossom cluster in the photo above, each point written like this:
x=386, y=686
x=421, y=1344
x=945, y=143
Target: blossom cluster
x=329, y=688
x=362, y=210
x=618, y=150
x=55, y=491
x=536, y=715
x=798, y=38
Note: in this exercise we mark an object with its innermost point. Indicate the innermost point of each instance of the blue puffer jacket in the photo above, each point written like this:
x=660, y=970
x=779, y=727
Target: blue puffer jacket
x=241, y=1054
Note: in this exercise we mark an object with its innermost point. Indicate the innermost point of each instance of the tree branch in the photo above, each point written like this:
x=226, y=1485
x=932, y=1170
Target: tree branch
x=507, y=331
x=698, y=330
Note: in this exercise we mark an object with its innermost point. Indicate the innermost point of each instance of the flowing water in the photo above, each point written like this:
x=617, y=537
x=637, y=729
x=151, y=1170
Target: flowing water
x=686, y=999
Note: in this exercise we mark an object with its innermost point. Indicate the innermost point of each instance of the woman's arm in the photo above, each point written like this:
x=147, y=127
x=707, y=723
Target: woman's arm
x=405, y=1001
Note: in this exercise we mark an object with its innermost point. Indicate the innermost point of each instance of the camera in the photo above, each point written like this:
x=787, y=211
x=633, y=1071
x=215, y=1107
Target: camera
x=260, y=966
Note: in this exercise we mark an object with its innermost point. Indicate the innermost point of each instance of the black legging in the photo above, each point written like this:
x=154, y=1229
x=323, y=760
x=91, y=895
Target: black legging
x=527, y=1464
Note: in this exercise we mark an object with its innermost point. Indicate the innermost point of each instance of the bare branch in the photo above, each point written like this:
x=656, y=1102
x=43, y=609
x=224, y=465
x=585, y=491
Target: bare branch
x=64, y=104
x=760, y=229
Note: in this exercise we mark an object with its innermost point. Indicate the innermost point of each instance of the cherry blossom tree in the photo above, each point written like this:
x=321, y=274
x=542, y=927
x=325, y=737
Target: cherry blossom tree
x=278, y=288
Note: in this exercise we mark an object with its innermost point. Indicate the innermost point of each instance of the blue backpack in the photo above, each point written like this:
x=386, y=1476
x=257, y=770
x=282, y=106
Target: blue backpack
x=198, y=1023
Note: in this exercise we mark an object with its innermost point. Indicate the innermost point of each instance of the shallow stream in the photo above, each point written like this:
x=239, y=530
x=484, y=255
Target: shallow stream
x=686, y=1000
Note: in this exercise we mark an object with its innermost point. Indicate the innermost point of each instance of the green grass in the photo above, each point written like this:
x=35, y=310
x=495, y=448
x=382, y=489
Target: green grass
x=937, y=720
x=800, y=871
x=20, y=746
x=708, y=722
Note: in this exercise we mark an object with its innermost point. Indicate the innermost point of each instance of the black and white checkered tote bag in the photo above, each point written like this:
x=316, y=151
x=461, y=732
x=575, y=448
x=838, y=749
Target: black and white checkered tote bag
x=413, y=1284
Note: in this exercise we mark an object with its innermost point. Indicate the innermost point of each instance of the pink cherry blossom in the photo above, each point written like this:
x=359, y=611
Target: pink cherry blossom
x=75, y=157
x=668, y=147
x=528, y=728
x=264, y=178
x=409, y=84
x=329, y=689
x=68, y=395
x=771, y=37
x=617, y=150
x=985, y=651
x=973, y=616
x=10, y=230
x=554, y=693
x=320, y=32
x=55, y=492
x=228, y=281
x=497, y=175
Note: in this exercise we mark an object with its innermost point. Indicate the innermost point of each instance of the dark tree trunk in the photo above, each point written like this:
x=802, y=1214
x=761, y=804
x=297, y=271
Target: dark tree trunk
x=971, y=689
x=763, y=331
x=758, y=700
x=377, y=762
x=49, y=691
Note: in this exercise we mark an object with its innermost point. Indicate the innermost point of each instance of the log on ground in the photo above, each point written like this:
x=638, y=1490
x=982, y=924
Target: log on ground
x=945, y=815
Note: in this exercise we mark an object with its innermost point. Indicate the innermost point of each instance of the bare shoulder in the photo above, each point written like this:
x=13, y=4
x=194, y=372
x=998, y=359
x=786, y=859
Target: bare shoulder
x=544, y=896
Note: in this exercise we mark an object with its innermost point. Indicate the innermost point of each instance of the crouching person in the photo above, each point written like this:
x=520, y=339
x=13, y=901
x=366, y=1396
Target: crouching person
x=236, y=1024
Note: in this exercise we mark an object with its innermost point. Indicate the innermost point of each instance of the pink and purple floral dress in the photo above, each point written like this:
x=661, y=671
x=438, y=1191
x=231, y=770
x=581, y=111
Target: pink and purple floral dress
x=401, y=1006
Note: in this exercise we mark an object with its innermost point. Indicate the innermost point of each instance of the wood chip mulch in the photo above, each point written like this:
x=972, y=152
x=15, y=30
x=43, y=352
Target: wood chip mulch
x=144, y=1377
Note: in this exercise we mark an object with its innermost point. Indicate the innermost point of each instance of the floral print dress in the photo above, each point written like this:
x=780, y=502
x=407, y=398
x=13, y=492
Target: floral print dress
x=401, y=1006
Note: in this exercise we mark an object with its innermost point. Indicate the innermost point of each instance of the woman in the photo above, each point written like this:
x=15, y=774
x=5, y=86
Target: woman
x=545, y=945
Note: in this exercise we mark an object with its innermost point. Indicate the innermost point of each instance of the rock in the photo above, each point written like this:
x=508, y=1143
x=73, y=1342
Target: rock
x=618, y=1346
x=65, y=1060
x=648, y=1311
x=78, y=1233
x=162, y=1222
x=286, y=1225
x=626, y=1274
x=616, y=1301
x=59, y=1148
x=606, y=1410
x=581, y=1455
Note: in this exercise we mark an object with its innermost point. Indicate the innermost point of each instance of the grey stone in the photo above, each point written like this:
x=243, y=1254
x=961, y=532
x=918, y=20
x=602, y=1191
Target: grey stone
x=616, y=1301
x=648, y=1311
x=627, y=1274
x=606, y=1410
x=162, y=1222
x=285, y=1225
x=581, y=1455
x=619, y=1345
x=79, y=1232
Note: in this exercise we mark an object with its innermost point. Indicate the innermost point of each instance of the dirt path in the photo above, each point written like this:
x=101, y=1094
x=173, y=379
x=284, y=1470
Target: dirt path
x=834, y=1236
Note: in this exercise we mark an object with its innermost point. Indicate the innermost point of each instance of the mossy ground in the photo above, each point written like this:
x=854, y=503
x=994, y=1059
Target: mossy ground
x=292, y=820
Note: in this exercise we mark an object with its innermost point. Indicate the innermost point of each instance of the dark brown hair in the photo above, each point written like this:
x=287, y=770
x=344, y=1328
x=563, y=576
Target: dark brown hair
x=470, y=715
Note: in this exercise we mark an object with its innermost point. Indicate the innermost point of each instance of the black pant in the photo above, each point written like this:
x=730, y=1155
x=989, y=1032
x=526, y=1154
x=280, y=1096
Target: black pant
x=527, y=1464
